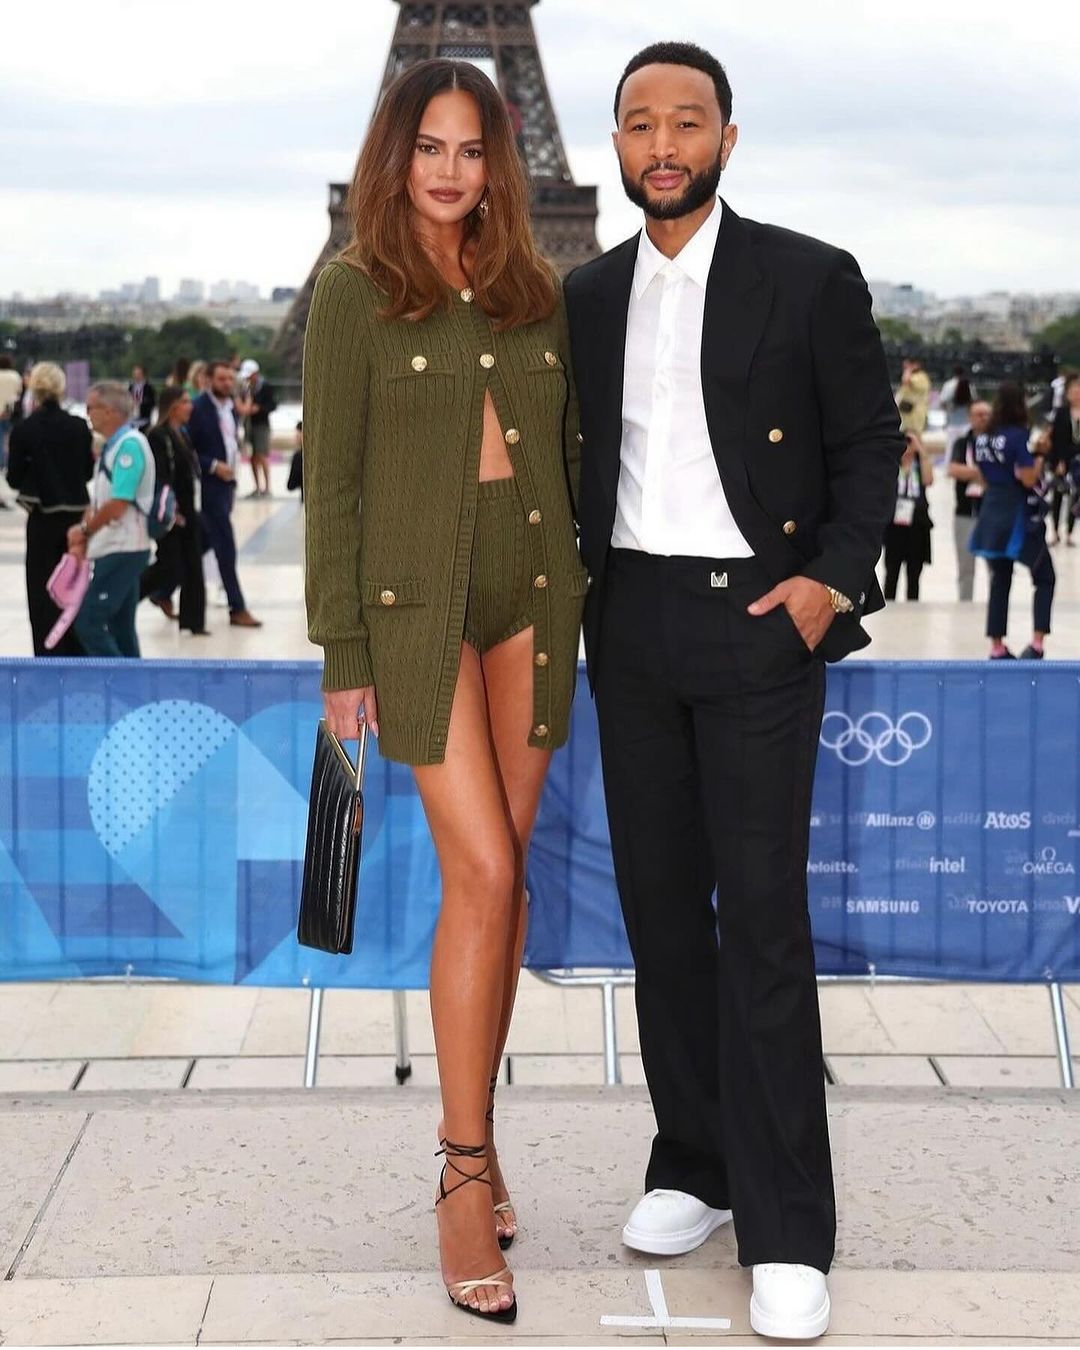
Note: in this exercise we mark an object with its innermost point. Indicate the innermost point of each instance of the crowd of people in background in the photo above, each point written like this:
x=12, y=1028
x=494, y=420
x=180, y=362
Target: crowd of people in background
x=1016, y=479
x=142, y=487
x=1014, y=472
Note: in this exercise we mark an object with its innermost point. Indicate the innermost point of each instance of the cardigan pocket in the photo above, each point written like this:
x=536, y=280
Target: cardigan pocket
x=422, y=365
x=389, y=594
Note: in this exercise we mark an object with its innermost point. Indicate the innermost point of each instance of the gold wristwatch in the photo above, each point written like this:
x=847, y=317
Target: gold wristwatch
x=839, y=601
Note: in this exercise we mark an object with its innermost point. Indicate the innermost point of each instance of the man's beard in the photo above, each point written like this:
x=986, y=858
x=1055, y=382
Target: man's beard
x=700, y=189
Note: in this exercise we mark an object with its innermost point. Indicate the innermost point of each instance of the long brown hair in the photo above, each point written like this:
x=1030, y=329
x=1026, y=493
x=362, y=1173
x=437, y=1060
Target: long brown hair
x=514, y=284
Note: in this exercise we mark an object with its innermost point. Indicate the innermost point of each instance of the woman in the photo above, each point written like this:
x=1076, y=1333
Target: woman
x=1011, y=522
x=436, y=393
x=956, y=399
x=50, y=462
x=907, y=538
x=179, y=553
x=913, y=397
x=196, y=382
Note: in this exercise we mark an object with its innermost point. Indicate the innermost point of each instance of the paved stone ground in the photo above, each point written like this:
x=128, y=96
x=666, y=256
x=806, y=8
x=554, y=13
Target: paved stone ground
x=289, y=1216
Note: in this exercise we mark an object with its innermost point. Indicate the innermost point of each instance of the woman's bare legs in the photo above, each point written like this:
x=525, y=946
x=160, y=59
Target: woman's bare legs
x=464, y=804
x=508, y=675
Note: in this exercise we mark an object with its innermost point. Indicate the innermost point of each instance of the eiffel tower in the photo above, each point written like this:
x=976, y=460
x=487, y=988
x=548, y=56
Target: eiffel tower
x=563, y=214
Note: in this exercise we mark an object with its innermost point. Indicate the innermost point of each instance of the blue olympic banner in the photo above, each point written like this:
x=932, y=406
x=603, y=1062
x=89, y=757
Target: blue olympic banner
x=152, y=822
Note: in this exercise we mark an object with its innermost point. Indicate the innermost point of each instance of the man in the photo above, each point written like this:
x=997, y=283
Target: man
x=113, y=533
x=261, y=402
x=1064, y=460
x=143, y=396
x=739, y=462
x=213, y=433
x=969, y=490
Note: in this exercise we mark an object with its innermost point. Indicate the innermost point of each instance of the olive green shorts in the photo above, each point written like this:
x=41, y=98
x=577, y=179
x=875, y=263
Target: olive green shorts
x=500, y=594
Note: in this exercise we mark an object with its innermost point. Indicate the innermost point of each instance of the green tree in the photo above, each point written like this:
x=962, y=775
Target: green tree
x=1062, y=337
x=898, y=332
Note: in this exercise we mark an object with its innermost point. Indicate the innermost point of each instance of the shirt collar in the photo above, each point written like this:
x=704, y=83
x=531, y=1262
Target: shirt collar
x=693, y=260
x=118, y=435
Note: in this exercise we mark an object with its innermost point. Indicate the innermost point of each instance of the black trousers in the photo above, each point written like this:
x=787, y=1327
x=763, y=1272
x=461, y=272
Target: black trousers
x=1035, y=556
x=180, y=563
x=905, y=546
x=46, y=544
x=709, y=721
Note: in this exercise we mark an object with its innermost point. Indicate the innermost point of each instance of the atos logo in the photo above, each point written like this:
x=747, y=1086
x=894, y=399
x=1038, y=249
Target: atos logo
x=1007, y=820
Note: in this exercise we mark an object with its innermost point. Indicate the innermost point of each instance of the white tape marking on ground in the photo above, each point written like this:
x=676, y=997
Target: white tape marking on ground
x=661, y=1317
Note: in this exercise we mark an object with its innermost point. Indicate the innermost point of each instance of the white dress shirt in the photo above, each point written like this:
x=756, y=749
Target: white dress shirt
x=670, y=498
x=227, y=423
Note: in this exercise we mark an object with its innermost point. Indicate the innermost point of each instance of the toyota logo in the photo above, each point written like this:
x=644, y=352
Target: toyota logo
x=875, y=736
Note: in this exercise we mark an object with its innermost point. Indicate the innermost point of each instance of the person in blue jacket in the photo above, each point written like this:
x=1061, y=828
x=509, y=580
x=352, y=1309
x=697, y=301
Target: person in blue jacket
x=1011, y=525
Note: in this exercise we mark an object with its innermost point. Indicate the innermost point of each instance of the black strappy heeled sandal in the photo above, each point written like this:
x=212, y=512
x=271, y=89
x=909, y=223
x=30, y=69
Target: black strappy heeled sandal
x=458, y=1289
x=505, y=1240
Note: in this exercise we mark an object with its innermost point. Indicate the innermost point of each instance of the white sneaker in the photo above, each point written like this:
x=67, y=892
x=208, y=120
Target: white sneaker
x=790, y=1303
x=669, y=1223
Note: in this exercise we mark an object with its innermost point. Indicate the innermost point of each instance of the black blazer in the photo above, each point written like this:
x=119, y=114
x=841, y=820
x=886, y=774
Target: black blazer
x=51, y=459
x=147, y=403
x=204, y=432
x=789, y=345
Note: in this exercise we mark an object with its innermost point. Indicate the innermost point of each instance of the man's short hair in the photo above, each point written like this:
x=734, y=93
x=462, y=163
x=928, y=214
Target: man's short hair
x=680, y=54
x=1070, y=380
x=212, y=367
x=47, y=381
x=114, y=396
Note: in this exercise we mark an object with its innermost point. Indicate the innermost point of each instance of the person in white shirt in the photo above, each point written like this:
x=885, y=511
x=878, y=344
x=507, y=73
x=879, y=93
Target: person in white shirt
x=740, y=444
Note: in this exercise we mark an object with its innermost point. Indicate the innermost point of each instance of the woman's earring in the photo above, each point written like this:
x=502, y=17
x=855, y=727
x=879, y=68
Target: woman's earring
x=483, y=207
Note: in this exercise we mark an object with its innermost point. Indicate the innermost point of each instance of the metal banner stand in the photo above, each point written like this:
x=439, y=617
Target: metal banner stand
x=1061, y=1035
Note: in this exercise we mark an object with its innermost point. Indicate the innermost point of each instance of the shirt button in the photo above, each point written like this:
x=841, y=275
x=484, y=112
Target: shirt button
x=776, y=435
x=487, y=360
x=540, y=659
x=535, y=517
x=513, y=436
x=419, y=363
x=790, y=527
x=387, y=597
x=468, y=295
x=551, y=358
x=540, y=582
x=580, y=439
x=540, y=731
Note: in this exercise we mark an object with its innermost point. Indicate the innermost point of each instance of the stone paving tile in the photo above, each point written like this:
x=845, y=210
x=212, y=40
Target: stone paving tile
x=933, y=1019
x=89, y=1020
x=263, y=1071
x=38, y=1075
x=195, y=1020
x=1019, y=1015
x=115, y=1311
x=33, y=1146
x=22, y=1009
x=278, y=1024
x=130, y=1075
x=849, y=1021
x=883, y=1071
x=994, y=1071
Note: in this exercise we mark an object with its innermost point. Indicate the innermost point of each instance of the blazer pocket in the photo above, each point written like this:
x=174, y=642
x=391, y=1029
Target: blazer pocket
x=390, y=594
x=422, y=365
x=545, y=362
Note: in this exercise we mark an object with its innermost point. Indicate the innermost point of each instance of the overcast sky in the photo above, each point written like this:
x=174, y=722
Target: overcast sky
x=141, y=137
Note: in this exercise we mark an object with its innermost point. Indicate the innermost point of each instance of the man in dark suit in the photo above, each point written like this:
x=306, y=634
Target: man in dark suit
x=213, y=433
x=143, y=397
x=1064, y=462
x=739, y=462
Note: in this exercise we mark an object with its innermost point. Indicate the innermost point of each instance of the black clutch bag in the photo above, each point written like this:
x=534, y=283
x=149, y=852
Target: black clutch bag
x=332, y=852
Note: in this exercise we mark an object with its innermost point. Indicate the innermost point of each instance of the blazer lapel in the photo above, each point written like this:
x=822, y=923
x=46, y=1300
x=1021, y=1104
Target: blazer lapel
x=610, y=303
x=738, y=300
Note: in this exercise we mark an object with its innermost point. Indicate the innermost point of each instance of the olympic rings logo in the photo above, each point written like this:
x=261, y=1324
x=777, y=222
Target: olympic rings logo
x=875, y=736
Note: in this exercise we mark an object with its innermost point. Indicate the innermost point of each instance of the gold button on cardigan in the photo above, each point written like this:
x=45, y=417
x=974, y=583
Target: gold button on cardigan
x=391, y=459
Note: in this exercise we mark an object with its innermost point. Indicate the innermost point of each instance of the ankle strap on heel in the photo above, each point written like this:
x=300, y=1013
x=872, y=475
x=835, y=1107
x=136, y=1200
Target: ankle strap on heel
x=449, y=1152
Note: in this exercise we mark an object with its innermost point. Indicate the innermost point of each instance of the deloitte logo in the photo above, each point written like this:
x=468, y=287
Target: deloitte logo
x=875, y=736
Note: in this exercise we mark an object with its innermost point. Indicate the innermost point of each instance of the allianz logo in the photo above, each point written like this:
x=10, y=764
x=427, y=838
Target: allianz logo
x=884, y=820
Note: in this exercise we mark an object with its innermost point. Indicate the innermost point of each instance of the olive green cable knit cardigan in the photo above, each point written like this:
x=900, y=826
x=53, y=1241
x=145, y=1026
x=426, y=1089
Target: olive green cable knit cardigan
x=393, y=422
